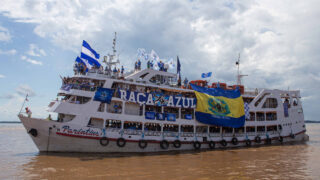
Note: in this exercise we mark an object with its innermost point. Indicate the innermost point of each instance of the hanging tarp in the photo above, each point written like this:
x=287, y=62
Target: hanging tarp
x=216, y=106
x=104, y=95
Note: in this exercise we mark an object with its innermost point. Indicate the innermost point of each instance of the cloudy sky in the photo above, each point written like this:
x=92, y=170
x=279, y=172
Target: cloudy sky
x=278, y=41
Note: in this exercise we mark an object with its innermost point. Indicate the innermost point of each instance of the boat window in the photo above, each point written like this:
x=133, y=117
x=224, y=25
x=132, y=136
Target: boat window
x=156, y=109
x=170, y=128
x=102, y=107
x=65, y=117
x=79, y=99
x=250, y=129
x=272, y=128
x=95, y=123
x=260, y=116
x=202, y=129
x=133, y=109
x=143, y=75
x=295, y=102
x=187, y=113
x=187, y=128
x=132, y=125
x=171, y=110
x=214, y=129
x=270, y=103
x=260, y=99
x=252, y=117
x=271, y=116
x=261, y=128
x=115, y=107
x=152, y=127
x=247, y=100
x=113, y=124
x=227, y=130
x=239, y=130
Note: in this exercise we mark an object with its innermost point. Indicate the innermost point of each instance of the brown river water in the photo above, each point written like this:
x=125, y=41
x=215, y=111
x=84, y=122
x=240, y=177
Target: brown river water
x=20, y=159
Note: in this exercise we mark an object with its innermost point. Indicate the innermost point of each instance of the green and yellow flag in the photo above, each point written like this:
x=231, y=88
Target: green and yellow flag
x=219, y=107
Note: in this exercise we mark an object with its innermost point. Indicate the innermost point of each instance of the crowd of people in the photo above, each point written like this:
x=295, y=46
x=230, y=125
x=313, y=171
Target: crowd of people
x=80, y=83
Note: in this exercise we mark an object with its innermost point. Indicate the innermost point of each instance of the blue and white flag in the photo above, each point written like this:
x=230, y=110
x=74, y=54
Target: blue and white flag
x=246, y=110
x=81, y=61
x=205, y=75
x=89, y=54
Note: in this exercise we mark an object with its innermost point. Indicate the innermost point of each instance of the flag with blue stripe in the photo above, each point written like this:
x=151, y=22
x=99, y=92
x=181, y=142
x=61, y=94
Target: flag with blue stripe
x=205, y=75
x=89, y=54
x=216, y=106
x=81, y=61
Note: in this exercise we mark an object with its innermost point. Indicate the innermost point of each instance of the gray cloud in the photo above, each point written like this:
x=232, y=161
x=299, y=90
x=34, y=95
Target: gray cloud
x=24, y=89
x=278, y=43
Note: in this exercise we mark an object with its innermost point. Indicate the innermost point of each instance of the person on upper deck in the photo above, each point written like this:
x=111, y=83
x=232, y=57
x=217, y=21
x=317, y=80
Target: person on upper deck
x=185, y=82
x=122, y=70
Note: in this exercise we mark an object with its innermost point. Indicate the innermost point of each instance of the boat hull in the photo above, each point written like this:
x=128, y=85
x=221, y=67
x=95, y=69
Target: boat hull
x=50, y=138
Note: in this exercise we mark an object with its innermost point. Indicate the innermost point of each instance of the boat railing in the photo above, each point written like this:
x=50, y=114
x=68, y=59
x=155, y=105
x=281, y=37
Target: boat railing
x=201, y=134
x=132, y=132
x=152, y=133
x=214, y=134
x=228, y=134
x=113, y=129
x=261, y=133
x=239, y=134
x=170, y=134
x=251, y=133
x=187, y=134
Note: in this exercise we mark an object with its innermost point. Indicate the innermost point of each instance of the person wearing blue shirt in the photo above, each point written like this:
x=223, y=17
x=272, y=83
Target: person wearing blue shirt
x=122, y=70
x=139, y=64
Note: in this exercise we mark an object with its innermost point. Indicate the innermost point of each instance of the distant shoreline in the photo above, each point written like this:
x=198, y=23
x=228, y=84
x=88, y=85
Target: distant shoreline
x=10, y=122
x=18, y=122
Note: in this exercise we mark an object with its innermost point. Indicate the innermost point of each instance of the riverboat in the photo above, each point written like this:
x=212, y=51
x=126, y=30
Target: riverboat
x=148, y=110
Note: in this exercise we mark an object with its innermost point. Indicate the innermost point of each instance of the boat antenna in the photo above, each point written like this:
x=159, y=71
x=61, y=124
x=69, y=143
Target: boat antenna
x=112, y=56
x=239, y=76
x=26, y=99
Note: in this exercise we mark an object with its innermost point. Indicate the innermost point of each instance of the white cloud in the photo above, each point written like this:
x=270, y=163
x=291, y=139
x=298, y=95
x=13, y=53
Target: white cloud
x=32, y=61
x=8, y=52
x=25, y=89
x=34, y=50
x=2, y=76
x=278, y=43
x=4, y=34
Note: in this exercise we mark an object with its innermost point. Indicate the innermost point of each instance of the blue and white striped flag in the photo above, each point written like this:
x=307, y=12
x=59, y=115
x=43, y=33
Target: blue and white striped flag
x=90, y=55
x=205, y=75
x=81, y=61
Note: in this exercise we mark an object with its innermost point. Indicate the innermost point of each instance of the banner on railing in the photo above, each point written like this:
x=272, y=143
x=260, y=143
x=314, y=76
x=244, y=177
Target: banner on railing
x=104, y=95
x=157, y=99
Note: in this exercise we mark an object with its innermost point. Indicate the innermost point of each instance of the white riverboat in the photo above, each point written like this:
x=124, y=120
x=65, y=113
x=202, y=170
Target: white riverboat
x=147, y=111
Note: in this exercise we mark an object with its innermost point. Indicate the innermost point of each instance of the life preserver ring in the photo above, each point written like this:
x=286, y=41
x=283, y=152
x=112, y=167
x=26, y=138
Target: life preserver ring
x=280, y=139
x=248, y=142
x=121, y=142
x=212, y=145
x=104, y=141
x=257, y=139
x=196, y=145
x=177, y=144
x=292, y=136
x=164, y=144
x=234, y=141
x=268, y=140
x=143, y=144
x=33, y=132
x=223, y=143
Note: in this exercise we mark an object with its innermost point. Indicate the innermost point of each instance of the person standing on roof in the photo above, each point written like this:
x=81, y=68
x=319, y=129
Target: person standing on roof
x=139, y=64
x=122, y=70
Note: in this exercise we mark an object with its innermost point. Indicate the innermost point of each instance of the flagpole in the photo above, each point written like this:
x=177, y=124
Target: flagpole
x=23, y=104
